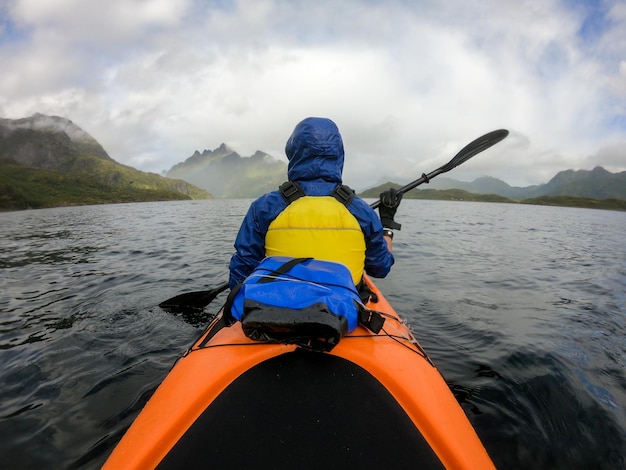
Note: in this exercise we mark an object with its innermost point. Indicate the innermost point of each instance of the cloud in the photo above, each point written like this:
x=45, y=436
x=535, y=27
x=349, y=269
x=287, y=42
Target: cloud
x=611, y=157
x=408, y=83
x=87, y=22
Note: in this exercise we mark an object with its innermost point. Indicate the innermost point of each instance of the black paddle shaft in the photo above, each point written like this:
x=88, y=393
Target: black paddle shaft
x=467, y=152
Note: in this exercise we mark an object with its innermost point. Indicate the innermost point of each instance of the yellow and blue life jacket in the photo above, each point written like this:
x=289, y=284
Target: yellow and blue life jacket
x=319, y=227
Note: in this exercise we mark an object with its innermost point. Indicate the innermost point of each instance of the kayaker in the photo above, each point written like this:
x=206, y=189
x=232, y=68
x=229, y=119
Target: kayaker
x=318, y=226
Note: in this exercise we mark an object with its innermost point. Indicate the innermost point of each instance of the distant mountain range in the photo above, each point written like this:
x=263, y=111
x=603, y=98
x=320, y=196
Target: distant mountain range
x=226, y=174
x=594, y=184
x=48, y=161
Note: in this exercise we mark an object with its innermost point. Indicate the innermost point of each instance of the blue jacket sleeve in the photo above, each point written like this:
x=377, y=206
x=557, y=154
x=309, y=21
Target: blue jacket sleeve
x=250, y=241
x=378, y=258
x=249, y=249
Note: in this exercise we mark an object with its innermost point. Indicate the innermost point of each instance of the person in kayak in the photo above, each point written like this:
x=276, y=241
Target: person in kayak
x=324, y=220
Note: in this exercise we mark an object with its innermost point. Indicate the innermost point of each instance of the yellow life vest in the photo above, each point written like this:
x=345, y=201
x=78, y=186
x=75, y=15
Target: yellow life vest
x=318, y=227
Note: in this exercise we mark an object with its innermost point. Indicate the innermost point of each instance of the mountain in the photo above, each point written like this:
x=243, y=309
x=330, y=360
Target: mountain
x=482, y=185
x=226, y=174
x=595, y=184
x=450, y=194
x=462, y=195
x=49, y=161
x=42, y=141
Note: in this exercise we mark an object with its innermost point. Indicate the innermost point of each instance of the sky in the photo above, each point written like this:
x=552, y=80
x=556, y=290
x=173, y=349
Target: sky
x=409, y=83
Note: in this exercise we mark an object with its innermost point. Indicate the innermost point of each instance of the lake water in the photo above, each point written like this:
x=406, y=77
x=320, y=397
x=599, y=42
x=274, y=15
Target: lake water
x=522, y=308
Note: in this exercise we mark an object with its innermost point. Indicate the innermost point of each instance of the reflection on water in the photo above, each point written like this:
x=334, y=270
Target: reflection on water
x=522, y=308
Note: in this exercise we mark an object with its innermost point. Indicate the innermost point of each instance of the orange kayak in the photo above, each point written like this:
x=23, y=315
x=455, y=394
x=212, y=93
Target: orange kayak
x=373, y=401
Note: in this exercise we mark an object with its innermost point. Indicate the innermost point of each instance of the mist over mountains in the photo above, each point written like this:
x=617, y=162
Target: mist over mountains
x=45, y=142
x=226, y=174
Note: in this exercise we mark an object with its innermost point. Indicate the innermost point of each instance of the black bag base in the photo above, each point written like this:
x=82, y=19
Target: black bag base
x=313, y=327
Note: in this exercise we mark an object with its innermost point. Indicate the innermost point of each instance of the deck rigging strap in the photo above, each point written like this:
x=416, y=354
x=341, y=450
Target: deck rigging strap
x=221, y=322
x=282, y=269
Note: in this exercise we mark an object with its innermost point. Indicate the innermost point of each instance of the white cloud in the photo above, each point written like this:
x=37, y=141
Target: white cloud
x=98, y=23
x=408, y=83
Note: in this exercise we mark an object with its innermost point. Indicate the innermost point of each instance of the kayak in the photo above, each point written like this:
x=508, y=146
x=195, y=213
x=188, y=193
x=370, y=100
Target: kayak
x=375, y=400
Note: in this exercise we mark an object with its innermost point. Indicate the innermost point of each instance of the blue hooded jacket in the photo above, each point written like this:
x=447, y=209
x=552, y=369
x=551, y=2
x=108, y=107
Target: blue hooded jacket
x=315, y=153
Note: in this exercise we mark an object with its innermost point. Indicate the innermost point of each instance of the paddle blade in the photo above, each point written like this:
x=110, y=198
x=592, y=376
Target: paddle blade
x=475, y=147
x=192, y=300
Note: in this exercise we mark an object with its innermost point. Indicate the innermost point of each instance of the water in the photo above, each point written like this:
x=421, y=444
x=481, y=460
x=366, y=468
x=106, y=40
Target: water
x=521, y=307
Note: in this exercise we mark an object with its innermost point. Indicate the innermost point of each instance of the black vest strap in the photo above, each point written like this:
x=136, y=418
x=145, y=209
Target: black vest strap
x=344, y=194
x=291, y=191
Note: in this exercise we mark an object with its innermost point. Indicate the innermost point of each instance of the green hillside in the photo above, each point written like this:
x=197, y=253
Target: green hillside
x=435, y=194
x=32, y=188
x=571, y=201
x=460, y=195
x=48, y=161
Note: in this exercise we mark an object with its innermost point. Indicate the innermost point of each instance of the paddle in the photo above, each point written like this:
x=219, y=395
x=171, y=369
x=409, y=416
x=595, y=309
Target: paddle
x=467, y=152
x=200, y=299
x=192, y=300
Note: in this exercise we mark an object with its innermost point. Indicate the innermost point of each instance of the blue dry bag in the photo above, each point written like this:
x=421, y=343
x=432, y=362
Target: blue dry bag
x=304, y=301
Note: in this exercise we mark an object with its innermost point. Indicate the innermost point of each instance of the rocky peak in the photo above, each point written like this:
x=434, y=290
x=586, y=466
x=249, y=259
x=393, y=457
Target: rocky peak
x=43, y=141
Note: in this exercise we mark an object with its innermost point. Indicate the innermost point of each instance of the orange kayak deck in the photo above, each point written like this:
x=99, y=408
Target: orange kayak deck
x=375, y=399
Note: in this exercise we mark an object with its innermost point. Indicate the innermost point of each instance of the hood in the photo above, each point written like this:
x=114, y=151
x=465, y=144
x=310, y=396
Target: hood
x=315, y=151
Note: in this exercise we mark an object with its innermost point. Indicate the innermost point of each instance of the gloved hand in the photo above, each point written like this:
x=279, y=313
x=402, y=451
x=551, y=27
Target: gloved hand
x=389, y=202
